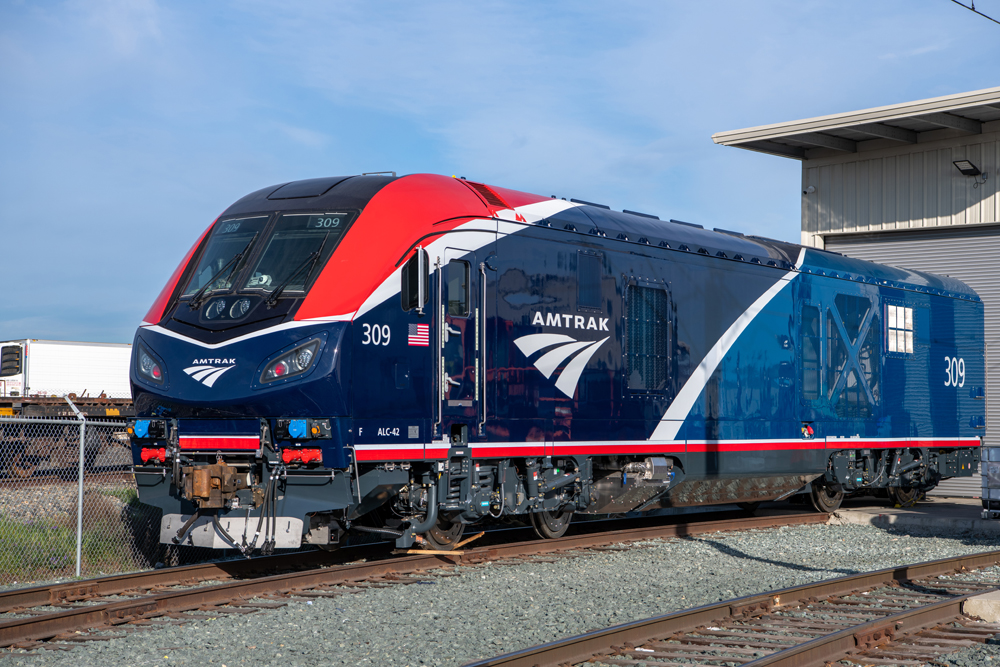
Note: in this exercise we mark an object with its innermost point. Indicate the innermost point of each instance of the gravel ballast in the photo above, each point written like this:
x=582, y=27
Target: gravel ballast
x=498, y=608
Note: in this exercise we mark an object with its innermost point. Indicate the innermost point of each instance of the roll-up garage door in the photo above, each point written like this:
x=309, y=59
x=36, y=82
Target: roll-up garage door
x=973, y=256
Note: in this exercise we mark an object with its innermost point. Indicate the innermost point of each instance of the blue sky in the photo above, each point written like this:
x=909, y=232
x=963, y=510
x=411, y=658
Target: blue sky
x=127, y=126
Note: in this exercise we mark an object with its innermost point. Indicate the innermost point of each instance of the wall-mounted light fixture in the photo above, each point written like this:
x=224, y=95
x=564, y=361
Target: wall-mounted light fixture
x=968, y=169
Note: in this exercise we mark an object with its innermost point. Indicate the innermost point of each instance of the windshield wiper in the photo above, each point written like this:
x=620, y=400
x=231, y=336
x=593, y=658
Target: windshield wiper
x=310, y=260
x=196, y=297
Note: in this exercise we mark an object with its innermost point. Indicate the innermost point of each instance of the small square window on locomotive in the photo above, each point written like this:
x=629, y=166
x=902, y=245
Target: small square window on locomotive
x=899, y=329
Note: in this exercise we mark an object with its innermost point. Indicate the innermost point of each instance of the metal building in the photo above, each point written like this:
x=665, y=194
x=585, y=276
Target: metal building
x=912, y=185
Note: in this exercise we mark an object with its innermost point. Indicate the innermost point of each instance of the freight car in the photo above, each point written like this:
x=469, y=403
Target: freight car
x=411, y=355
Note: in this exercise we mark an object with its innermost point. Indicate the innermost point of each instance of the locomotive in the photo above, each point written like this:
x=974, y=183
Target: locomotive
x=410, y=355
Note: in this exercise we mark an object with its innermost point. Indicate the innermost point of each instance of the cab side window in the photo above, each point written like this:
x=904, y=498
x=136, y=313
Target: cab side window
x=457, y=286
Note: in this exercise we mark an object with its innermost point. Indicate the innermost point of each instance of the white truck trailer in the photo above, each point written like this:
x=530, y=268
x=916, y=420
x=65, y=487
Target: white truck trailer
x=39, y=373
x=36, y=378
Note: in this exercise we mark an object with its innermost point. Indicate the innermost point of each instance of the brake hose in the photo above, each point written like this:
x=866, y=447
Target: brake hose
x=263, y=512
x=274, y=517
x=182, y=533
x=226, y=536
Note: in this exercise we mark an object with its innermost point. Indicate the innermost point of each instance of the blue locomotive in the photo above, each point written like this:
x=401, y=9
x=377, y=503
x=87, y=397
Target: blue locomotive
x=407, y=356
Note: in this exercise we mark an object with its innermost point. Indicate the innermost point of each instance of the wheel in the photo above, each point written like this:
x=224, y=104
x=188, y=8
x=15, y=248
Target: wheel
x=826, y=497
x=550, y=525
x=444, y=536
x=749, y=508
x=903, y=496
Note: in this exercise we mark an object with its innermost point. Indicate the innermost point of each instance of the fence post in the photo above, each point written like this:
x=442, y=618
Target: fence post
x=79, y=489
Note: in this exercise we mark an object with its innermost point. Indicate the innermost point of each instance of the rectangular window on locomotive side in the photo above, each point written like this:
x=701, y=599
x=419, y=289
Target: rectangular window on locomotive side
x=410, y=278
x=229, y=238
x=457, y=286
x=899, y=329
x=811, y=344
x=288, y=250
x=589, y=270
x=647, y=339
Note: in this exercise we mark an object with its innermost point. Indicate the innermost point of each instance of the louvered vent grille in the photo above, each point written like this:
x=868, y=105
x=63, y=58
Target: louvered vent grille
x=492, y=198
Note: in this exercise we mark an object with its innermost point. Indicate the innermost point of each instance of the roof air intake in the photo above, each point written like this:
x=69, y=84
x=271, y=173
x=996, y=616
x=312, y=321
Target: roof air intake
x=491, y=197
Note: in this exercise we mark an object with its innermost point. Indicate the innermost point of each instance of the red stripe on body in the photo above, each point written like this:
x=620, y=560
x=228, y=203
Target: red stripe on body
x=754, y=447
x=390, y=454
x=485, y=451
x=215, y=442
x=847, y=443
x=155, y=313
x=637, y=448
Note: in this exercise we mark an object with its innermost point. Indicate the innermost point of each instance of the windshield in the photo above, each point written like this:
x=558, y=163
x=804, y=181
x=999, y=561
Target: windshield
x=230, y=238
x=299, y=245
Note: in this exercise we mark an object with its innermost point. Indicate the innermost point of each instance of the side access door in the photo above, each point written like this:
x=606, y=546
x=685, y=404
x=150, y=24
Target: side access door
x=461, y=340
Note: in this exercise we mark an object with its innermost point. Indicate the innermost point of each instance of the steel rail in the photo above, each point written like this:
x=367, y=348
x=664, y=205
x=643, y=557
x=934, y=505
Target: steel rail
x=37, y=596
x=839, y=645
x=40, y=627
x=582, y=647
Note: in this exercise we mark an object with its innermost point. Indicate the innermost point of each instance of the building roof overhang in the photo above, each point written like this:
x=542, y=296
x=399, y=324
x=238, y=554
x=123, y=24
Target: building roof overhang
x=896, y=124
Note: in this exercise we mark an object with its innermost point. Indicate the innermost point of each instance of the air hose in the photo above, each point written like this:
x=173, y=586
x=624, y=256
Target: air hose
x=263, y=513
x=274, y=520
x=432, y=512
x=182, y=533
x=226, y=536
x=388, y=532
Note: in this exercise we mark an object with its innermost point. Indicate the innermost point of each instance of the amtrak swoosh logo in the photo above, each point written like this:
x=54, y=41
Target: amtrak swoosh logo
x=207, y=375
x=563, y=347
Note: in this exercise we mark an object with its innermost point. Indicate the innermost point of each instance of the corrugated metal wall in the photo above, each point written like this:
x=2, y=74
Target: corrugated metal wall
x=910, y=187
x=973, y=256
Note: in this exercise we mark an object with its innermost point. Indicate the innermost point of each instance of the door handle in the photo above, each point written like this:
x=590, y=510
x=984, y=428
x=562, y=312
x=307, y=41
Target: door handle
x=453, y=383
x=449, y=332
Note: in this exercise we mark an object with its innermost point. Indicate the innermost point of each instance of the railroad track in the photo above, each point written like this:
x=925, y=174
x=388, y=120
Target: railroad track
x=909, y=615
x=62, y=615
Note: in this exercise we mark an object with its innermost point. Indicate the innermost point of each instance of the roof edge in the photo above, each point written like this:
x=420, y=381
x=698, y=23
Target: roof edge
x=872, y=115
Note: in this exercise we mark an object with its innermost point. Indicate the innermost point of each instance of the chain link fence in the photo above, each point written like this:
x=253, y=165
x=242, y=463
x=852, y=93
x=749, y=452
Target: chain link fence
x=47, y=466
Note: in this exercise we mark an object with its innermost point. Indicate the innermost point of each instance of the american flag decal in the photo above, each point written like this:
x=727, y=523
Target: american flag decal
x=419, y=334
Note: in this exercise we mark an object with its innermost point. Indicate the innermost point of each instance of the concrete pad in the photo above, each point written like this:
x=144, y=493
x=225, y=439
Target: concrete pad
x=985, y=607
x=958, y=516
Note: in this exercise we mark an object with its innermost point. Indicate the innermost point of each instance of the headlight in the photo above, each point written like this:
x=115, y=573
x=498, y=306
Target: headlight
x=239, y=309
x=290, y=364
x=148, y=367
